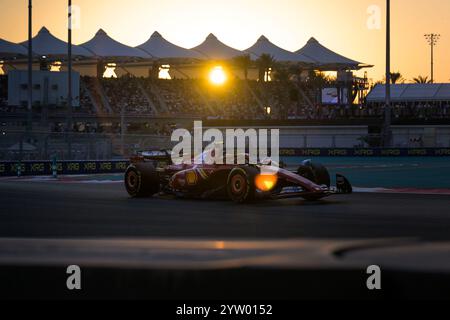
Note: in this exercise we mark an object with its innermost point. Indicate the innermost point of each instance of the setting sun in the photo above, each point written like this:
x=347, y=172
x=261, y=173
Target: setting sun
x=217, y=76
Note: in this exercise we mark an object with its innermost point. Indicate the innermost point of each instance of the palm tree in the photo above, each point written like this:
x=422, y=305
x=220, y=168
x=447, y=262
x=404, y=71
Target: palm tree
x=265, y=62
x=318, y=79
x=397, y=77
x=288, y=92
x=295, y=71
x=282, y=75
x=421, y=79
x=243, y=62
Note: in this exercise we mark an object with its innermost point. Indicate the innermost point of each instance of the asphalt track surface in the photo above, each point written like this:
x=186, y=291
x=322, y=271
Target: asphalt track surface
x=76, y=210
x=166, y=248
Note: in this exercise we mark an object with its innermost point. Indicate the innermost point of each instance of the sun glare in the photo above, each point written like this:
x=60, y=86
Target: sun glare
x=110, y=71
x=56, y=66
x=164, y=72
x=217, y=76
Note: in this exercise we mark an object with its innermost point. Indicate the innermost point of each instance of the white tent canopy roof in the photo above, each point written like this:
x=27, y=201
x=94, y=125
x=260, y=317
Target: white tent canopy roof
x=45, y=44
x=9, y=49
x=104, y=46
x=411, y=92
x=158, y=47
x=264, y=46
x=212, y=48
x=327, y=58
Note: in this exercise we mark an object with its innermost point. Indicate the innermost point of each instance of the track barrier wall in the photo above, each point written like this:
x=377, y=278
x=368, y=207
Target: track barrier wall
x=365, y=152
x=36, y=168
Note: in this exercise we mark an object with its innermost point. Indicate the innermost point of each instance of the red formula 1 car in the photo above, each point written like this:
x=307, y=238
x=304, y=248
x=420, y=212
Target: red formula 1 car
x=153, y=172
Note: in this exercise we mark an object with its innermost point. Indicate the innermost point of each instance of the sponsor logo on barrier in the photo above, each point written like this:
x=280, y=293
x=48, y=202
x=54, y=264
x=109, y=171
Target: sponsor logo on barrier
x=90, y=166
x=121, y=166
x=62, y=167
x=14, y=168
x=37, y=167
x=391, y=152
x=442, y=152
x=288, y=152
x=417, y=152
x=311, y=152
x=59, y=167
x=364, y=152
x=106, y=166
x=73, y=166
x=337, y=152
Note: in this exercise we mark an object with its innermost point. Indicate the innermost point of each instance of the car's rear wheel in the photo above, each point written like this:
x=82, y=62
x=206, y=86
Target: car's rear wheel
x=241, y=184
x=141, y=180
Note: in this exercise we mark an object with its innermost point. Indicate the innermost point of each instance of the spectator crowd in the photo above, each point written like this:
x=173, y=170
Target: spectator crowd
x=239, y=99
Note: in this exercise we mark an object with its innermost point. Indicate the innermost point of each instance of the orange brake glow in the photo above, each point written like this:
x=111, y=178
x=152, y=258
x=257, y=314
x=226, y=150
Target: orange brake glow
x=265, y=182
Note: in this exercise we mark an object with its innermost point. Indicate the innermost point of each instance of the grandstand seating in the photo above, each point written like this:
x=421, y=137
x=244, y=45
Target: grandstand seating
x=239, y=99
x=125, y=95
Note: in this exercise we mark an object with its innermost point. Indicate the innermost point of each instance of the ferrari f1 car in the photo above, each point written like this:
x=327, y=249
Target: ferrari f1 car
x=151, y=173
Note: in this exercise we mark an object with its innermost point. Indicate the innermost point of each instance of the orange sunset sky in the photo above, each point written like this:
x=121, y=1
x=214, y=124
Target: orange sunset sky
x=339, y=24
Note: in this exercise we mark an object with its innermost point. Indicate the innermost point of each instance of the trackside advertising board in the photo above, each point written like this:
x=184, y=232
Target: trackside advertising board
x=36, y=168
x=365, y=152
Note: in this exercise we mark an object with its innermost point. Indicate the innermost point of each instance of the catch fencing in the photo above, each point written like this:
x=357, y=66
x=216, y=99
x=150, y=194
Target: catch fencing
x=75, y=146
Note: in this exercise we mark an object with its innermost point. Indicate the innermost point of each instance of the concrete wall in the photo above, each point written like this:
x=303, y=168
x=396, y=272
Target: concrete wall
x=421, y=136
x=351, y=136
x=49, y=88
x=322, y=137
x=318, y=137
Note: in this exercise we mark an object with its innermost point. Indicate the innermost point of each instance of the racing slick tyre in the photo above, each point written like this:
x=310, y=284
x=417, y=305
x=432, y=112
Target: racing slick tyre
x=241, y=184
x=141, y=180
x=315, y=172
x=322, y=175
x=306, y=172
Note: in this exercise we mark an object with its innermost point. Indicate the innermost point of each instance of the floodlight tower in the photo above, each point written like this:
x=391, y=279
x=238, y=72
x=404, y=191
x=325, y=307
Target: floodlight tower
x=387, y=106
x=30, y=66
x=432, y=39
x=69, y=67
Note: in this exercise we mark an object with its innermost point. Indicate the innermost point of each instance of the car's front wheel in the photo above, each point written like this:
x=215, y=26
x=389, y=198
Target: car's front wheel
x=315, y=172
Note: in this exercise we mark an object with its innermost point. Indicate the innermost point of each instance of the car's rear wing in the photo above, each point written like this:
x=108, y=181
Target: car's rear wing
x=159, y=158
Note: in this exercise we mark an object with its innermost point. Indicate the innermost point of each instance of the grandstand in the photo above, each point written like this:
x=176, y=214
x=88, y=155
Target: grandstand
x=132, y=98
